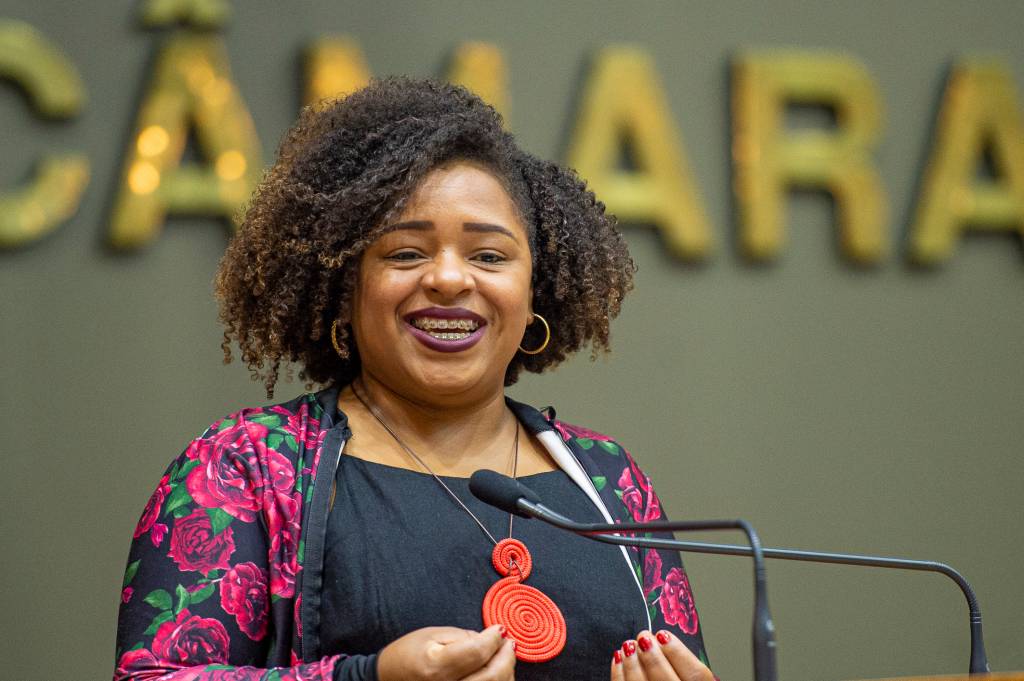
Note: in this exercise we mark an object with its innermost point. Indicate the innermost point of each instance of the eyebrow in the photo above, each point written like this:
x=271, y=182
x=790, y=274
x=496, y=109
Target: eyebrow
x=423, y=225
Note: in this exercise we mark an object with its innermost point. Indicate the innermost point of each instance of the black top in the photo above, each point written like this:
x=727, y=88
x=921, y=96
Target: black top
x=400, y=554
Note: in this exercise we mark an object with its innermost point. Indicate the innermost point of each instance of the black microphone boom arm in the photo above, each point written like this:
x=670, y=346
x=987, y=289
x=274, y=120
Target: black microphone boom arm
x=763, y=628
x=601, y=532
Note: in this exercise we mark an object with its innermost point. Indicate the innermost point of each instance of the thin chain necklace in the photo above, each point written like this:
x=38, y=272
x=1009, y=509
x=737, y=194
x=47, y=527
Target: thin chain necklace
x=531, y=619
x=408, y=450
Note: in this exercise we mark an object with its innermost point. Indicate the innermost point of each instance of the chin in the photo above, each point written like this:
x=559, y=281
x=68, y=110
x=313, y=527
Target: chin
x=441, y=382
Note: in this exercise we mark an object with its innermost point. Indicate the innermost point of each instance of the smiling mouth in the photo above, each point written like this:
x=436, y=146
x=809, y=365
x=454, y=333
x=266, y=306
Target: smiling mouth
x=446, y=329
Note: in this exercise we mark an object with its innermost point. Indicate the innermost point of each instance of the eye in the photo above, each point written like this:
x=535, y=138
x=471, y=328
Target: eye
x=403, y=256
x=490, y=258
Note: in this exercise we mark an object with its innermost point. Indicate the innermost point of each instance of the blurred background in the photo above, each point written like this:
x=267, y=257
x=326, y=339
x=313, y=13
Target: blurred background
x=857, y=390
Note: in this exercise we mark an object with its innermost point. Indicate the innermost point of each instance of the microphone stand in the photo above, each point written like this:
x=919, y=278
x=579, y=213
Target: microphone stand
x=600, y=532
x=763, y=628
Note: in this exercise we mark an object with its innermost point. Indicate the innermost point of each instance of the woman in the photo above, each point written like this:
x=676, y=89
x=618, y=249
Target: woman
x=407, y=255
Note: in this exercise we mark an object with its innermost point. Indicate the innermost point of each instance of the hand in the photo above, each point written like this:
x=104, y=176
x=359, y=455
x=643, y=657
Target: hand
x=448, y=654
x=657, y=658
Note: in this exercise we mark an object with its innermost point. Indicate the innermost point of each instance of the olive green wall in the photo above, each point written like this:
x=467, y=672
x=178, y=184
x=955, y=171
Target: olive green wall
x=835, y=408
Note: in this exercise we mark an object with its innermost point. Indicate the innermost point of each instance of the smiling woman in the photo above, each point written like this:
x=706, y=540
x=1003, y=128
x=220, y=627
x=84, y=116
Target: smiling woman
x=413, y=261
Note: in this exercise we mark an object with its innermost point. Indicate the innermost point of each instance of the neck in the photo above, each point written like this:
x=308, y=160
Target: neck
x=454, y=436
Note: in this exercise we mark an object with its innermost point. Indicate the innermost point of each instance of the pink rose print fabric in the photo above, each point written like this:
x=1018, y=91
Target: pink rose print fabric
x=212, y=590
x=664, y=582
x=213, y=568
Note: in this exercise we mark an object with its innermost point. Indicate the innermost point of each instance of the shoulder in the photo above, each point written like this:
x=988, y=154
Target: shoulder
x=249, y=453
x=294, y=423
x=605, y=452
x=598, y=450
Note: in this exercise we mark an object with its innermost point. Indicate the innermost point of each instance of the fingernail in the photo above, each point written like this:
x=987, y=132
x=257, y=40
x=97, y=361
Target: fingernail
x=629, y=647
x=663, y=638
x=513, y=644
x=617, y=657
x=503, y=632
x=645, y=643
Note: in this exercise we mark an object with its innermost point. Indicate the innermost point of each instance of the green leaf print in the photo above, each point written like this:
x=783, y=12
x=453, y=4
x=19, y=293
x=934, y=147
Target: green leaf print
x=219, y=519
x=165, y=616
x=599, y=482
x=129, y=573
x=178, y=497
x=183, y=599
x=274, y=440
x=290, y=441
x=269, y=420
x=180, y=512
x=159, y=599
x=610, y=447
x=202, y=594
x=225, y=424
x=585, y=442
x=185, y=470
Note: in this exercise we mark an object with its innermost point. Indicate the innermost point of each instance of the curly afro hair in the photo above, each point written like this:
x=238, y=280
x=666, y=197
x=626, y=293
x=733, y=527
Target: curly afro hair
x=343, y=171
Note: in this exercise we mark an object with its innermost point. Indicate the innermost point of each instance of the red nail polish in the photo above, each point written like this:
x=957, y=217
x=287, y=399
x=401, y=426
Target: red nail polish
x=663, y=638
x=629, y=647
x=645, y=643
x=617, y=657
x=503, y=632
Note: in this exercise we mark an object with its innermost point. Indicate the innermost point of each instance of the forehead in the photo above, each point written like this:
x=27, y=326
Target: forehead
x=461, y=187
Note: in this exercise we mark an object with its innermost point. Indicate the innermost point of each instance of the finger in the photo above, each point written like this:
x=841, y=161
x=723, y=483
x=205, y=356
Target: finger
x=652, y=661
x=684, y=662
x=501, y=667
x=617, y=673
x=465, y=655
x=631, y=669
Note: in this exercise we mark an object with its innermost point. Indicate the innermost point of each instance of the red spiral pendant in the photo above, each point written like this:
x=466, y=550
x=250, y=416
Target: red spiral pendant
x=531, y=619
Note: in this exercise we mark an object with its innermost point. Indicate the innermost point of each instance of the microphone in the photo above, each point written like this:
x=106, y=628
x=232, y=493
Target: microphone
x=512, y=496
x=529, y=504
x=501, y=491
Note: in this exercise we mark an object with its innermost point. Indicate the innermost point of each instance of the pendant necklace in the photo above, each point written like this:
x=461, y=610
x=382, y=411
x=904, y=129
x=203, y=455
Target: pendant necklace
x=529, y=616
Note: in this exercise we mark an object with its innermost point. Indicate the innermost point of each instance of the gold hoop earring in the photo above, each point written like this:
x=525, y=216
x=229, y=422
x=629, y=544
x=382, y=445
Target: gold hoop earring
x=547, y=337
x=334, y=340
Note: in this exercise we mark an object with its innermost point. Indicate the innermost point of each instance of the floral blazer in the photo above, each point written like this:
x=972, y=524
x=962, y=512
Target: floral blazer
x=224, y=574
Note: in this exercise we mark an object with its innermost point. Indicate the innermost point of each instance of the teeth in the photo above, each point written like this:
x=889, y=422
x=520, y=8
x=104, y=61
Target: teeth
x=449, y=336
x=429, y=324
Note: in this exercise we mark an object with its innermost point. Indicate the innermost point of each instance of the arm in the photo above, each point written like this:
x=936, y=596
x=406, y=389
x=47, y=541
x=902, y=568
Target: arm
x=209, y=592
x=666, y=586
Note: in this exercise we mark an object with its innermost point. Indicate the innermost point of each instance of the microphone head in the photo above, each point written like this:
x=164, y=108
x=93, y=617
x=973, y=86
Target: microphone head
x=501, y=491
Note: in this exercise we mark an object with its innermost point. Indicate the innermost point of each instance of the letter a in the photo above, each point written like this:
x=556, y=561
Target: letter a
x=979, y=110
x=623, y=99
x=191, y=84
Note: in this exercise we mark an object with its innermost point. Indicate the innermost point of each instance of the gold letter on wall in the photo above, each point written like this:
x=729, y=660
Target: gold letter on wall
x=54, y=90
x=191, y=83
x=480, y=68
x=769, y=160
x=624, y=100
x=201, y=13
x=334, y=68
x=979, y=111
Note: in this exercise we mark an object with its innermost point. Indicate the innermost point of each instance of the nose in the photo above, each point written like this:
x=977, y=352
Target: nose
x=448, y=276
